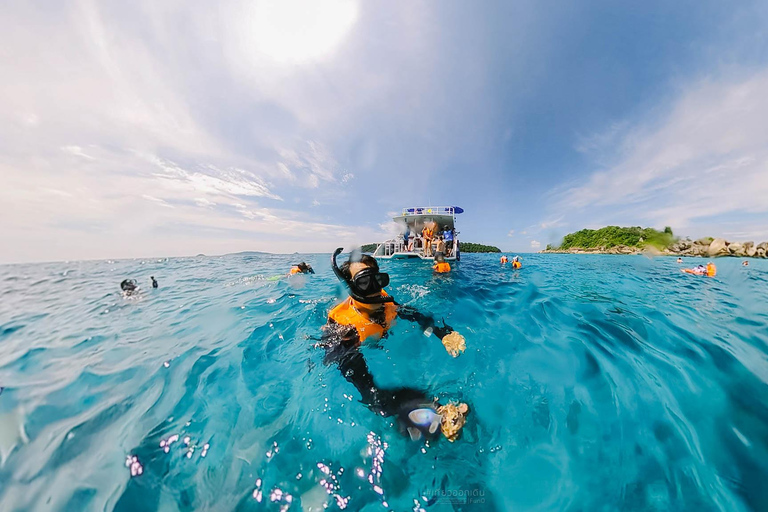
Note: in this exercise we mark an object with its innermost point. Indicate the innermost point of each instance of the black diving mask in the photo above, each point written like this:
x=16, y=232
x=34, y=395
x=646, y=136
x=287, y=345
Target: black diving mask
x=366, y=282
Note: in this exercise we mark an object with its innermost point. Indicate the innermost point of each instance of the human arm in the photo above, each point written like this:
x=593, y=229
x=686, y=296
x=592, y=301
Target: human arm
x=452, y=340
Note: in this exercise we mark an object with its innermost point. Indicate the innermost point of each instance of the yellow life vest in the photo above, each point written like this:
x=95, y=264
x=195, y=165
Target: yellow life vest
x=349, y=312
x=516, y=264
x=295, y=270
x=442, y=267
x=711, y=270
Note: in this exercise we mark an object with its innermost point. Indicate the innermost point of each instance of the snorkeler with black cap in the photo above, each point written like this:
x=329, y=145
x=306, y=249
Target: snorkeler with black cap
x=129, y=286
x=154, y=282
x=301, y=268
x=369, y=312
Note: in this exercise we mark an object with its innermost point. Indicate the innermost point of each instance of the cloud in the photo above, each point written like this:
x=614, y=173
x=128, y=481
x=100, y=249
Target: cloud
x=535, y=244
x=511, y=232
x=707, y=157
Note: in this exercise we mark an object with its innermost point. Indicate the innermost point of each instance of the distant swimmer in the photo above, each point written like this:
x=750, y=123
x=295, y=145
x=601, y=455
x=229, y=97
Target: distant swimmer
x=504, y=259
x=368, y=313
x=700, y=270
x=301, y=268
x=745, y=263
x=440, y=264
x=129, y=286
x=154, y=282
x=679, y=260
x=516, y=262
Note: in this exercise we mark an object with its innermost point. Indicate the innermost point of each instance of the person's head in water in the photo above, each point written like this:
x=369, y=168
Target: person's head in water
x=154, y=281
x=746, y=263
x=364, y=278
x=679, y=260
x=439, y=258
x=128, y=286
x=305, y=269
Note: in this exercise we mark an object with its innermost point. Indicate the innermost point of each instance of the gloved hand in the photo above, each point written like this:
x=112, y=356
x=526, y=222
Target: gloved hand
x=416, y=414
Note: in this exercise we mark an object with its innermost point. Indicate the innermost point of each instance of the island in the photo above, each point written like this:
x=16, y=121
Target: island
x=635, y=240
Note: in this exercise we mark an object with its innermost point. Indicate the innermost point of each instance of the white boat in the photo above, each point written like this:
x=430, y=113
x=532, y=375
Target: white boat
x=409, y=243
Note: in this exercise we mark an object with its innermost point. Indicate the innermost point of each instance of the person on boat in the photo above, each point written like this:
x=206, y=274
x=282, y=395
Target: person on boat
x=448, y=237
x=516, y=262
x=301, y=268
x=427, y=233
x=439, y=246
x=441, y=265
x=679, y=260
x=154, y=282
x=368, y=313
x=504, y=260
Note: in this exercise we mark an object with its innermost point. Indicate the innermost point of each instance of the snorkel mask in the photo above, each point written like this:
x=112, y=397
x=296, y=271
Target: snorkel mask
x=366, y=282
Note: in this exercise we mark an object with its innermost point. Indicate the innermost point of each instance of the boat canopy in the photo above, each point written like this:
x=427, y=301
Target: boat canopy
x=417, y=217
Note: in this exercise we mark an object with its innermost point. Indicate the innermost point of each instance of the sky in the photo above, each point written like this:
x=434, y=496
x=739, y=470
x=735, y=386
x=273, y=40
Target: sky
x=166, y=128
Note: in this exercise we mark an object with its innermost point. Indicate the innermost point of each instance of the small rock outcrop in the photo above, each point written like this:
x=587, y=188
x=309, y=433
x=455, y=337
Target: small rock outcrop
x=718, y=247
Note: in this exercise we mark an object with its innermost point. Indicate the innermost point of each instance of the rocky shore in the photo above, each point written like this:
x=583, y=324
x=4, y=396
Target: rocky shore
x=703, y=247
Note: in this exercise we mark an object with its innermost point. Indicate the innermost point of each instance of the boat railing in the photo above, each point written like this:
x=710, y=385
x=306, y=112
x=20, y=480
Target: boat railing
x=430, y=210
x=396, y=245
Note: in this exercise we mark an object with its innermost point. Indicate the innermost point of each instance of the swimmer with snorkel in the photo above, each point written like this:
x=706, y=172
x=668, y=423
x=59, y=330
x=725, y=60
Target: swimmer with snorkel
x=368, y=313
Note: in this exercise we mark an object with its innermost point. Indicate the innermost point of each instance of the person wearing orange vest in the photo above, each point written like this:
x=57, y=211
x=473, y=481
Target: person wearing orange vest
x=504, y=259
x=441, y=265
x=516, y=262
x=427, y=233
x=368, y=313
x=301, y=268
x=700, y=270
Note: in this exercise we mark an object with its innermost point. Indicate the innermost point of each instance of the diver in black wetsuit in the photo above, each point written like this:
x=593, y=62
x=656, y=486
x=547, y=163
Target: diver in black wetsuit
x=369, y=312
x=154, y=282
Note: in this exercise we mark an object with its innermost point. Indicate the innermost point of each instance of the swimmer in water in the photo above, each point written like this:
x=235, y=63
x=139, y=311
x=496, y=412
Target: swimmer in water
x=504, y=259
x=516, y=262
x=745, y=263
x=301, y=268
x=154, y=282
x=679, y=260
x=369, y=312
x=129, y=286
x=441, y=265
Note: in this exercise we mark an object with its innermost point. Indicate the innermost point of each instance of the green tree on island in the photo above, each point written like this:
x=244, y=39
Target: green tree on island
x=612, y=236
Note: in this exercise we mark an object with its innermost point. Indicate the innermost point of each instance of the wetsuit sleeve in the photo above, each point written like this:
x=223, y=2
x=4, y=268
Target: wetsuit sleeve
x=424, y=321
x=341, y=343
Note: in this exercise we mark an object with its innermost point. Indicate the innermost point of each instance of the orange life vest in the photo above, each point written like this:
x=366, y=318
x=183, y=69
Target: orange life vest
x=295, y=270
x=711, y=270
x=350, y=312
x=442, y=267
x=504, y=259
x=516, y=264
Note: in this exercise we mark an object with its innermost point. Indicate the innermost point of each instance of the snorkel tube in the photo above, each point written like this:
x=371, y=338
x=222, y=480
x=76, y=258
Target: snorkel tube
x=353, y=291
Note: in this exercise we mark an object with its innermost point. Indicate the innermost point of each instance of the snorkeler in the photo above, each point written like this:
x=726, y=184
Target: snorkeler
x=516, y=262
x=129, y=286
x=679, y=260
x=440, y=264
x=301, y=268
x=745, y=263
x=369, y=312
x=700, y=270
x=504, y=259
x=154, y=282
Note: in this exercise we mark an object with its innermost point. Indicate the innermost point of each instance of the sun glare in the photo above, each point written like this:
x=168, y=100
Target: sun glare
x=293, y=31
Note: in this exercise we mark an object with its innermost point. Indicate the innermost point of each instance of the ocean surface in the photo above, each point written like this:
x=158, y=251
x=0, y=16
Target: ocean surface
x=595, y=383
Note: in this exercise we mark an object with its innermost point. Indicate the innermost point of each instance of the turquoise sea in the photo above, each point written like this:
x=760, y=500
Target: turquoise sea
x=596, y=383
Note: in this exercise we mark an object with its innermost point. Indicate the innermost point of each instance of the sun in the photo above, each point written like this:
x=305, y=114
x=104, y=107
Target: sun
x=295, y=31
